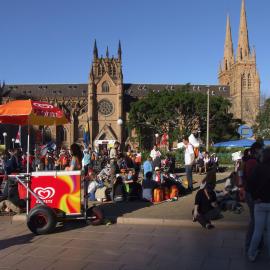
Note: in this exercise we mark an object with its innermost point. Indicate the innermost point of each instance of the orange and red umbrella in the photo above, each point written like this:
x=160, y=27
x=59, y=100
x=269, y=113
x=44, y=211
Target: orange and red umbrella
x=29, y=112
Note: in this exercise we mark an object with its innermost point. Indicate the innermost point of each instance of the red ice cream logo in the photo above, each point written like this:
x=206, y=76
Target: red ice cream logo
x=43, y=105
x=44, y=193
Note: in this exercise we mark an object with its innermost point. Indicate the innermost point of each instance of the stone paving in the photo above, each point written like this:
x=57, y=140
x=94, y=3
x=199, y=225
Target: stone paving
x=124, y=247
x=170, y=211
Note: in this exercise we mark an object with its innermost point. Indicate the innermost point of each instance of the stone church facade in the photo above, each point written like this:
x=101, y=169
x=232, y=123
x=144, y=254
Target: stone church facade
x=102, y=105
x=240, y=73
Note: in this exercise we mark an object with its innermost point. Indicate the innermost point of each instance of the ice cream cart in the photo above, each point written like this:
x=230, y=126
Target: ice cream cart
x=56, y=196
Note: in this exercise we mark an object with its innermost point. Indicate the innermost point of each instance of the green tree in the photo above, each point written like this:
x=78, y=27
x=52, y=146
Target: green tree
x=182, y=112
x=262, y=128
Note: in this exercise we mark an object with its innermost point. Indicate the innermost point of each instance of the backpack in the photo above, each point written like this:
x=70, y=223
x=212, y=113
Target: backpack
x=158, y=195
x=93, y=156
x=174, y=192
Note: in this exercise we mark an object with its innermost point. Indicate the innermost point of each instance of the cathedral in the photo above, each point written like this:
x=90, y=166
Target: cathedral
x=240, y=73
x=101, y=106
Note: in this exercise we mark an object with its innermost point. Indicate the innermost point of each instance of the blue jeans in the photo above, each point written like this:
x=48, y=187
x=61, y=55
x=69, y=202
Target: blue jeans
x=262, y=221
x=189, y=176
x=250, y=204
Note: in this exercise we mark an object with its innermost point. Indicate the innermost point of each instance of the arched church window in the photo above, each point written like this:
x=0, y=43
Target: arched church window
x=81, y=132
x=62, y=134
x=109, y=69
x=113, y=70
x=249, y=81
x=244, y=82
x=105, y=87
x=101, y=70
x=226, y=65
x=47, y=134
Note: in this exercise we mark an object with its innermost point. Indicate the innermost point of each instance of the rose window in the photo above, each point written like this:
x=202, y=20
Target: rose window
x=105, y=107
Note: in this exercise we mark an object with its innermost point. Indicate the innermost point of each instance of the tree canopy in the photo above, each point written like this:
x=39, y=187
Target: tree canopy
x=182, y=112
x=262, y=128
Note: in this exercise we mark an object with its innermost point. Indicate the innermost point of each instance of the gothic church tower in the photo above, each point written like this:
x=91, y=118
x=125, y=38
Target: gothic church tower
x=105, y=96
x=240, y=73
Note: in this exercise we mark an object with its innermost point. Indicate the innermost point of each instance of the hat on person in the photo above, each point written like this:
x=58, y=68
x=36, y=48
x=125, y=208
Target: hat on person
x=157, y=168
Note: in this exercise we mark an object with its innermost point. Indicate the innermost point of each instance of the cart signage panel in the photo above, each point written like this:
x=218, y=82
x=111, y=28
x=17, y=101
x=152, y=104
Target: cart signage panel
x=60, y=190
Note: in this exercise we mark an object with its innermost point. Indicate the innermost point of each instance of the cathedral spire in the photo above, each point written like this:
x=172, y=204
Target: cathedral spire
x=243, y=50
x=228, y=47
x=107, y=52
x=119, y=50
x=95, y=51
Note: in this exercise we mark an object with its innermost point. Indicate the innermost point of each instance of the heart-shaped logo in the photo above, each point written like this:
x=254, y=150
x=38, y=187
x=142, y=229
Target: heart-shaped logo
x=44, y=193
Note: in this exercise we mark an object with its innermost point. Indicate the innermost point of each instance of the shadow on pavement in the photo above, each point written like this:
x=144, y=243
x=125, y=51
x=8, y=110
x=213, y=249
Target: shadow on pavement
x=110, y=210
x=70, y=225
x=114, y=210
x=16, y=240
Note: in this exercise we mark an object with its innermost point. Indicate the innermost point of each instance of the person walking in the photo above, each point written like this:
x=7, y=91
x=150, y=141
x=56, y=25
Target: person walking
x=260, y=193
x=189, y=160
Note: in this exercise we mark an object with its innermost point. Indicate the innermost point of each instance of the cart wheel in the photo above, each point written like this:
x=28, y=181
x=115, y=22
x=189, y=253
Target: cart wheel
x=41, y=220
x=95, y=215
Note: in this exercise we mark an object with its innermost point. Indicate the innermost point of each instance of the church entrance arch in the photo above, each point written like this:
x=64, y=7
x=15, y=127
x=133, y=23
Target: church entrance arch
x=105, y=139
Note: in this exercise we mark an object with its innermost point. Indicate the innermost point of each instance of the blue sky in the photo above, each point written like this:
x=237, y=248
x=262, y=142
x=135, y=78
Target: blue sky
x=163, y=41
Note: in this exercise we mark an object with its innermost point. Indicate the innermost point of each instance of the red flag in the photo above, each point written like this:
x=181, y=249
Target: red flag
x=18, y=136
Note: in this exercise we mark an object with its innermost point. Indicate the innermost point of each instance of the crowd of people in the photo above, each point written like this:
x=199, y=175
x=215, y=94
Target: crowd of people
x=111, y=174
x=254, y=175
x=250, y=183
x=123, y=176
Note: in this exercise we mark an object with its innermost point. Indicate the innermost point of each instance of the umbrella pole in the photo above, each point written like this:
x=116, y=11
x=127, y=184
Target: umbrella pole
x=27, y=169
x=28, y=148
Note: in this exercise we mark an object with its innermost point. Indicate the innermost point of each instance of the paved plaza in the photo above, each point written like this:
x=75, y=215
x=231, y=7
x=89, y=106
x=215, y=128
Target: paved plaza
x=124, y=247
x=146, y=236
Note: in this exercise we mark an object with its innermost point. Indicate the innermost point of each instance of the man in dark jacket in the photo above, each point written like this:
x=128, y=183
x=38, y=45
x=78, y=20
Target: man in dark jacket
x=260, y=193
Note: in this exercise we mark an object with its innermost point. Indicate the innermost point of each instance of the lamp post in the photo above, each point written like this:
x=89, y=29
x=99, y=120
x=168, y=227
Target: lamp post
x=199, y=133
x=207, y=123
x=120, y=123
x=156, y=135
x=5, y=135
x=13, y=143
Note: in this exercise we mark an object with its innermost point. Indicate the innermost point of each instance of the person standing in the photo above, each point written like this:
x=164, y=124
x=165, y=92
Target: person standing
x=260, y=193
x=114, y=152
x=249, y=164
x=76, y=161
x=156, y=156
x=147, y=166
x=137, y=160
x=189, y=160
